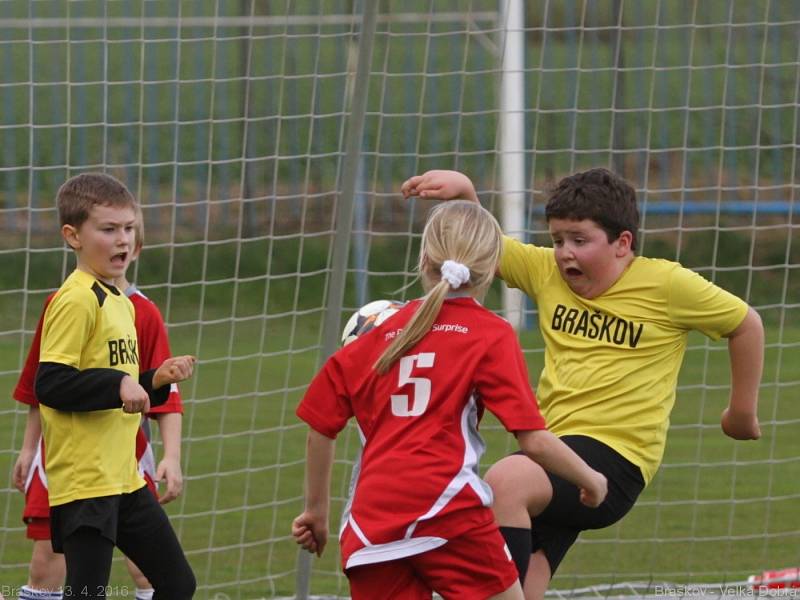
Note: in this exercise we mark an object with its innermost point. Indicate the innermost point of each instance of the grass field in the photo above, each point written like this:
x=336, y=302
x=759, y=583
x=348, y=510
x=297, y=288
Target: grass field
x=717, y=511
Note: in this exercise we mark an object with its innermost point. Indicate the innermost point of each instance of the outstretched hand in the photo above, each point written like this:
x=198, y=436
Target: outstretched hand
x=310, y=531
x=440, y=185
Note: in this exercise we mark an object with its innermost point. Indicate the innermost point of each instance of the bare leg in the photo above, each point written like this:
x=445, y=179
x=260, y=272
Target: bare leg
x=512, y=593
x=521, y=489
x=538, y=577
x=48, y=569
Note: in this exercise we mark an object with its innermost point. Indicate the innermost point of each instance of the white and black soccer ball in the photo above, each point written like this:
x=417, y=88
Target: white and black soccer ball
x=369, y=316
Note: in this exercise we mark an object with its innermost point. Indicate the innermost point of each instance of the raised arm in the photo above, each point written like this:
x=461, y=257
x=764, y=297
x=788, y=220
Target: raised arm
x=555, y=456
x=746, y=349
x=440, y=185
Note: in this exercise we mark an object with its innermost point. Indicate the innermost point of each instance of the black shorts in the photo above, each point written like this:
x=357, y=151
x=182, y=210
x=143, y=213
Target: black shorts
x=100, y=513
x=557, y=528
x=137, y=524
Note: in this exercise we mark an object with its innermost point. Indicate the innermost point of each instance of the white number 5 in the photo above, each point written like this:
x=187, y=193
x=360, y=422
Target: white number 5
x=422, y=386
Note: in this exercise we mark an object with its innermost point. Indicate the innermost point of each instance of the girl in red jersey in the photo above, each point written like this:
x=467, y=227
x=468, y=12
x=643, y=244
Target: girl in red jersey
x=419, y=517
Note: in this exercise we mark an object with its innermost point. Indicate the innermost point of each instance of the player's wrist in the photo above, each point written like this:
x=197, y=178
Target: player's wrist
x=27, y=451
x=158, y=379
x=741, y=412
x=317, y=509
x=170, y=460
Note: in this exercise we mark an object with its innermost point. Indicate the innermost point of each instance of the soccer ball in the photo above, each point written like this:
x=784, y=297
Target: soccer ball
x=369, y=316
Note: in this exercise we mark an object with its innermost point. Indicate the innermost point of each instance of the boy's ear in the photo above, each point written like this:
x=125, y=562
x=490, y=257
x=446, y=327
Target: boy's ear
x=624, y=243
x=70, y=235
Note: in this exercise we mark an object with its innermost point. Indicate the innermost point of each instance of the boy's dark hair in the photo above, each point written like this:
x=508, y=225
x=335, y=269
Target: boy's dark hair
x=598, y=195
x=79, y=194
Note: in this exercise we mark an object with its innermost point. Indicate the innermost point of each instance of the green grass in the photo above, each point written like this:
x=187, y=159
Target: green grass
x=718, y=510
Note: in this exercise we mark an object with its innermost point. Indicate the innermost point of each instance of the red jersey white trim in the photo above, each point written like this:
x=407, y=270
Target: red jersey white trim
x=416, y=484
x=474, y=448
x=37, y=466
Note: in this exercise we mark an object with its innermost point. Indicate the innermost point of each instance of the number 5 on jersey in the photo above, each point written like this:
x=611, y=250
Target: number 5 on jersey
x=422, y=386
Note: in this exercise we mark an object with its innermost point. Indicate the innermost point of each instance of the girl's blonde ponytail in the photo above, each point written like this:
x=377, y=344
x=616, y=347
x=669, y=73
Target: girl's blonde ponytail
x=459, y=231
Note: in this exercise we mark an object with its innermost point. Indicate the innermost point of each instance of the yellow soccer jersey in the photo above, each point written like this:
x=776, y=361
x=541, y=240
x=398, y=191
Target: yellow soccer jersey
x=90, y=325
x=611, y=363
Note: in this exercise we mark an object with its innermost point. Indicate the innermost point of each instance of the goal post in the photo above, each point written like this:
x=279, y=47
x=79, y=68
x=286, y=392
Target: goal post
x=267, y=143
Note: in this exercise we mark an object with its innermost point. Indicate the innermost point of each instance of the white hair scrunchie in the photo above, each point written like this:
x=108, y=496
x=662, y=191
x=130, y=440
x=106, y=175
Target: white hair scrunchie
x=454, y=273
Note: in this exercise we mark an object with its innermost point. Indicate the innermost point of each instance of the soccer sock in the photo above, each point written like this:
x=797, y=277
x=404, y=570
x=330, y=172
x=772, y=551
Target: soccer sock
x=144, y=594
x=29, y=593
x=518, y=540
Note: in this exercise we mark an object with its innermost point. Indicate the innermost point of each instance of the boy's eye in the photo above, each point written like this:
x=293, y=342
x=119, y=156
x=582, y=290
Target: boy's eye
x=557, y=242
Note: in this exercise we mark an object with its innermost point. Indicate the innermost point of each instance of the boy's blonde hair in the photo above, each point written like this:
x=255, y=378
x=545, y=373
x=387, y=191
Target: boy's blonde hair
x=79, y=194
x=460, y=231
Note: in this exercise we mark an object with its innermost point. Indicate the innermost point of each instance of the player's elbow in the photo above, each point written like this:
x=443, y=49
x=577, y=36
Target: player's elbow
x=535, y=444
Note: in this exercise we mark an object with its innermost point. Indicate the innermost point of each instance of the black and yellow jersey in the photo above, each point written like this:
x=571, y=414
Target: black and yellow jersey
x=88, y=345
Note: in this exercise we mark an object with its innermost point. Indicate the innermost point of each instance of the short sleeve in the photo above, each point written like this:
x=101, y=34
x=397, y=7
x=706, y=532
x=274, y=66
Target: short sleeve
x=525, y=266
x=326, y=406
x=69, y=321
x=24, y=390
x=696, y=303
x=154, y=350
x=153, y=341
x=502, y=382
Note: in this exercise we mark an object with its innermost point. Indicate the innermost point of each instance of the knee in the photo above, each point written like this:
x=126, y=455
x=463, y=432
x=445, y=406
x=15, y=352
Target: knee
x=180, y=587
x=189, y=586
x=517, y=481
x=137, y=576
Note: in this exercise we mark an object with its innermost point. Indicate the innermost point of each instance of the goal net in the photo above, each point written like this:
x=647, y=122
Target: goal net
x=267, y=142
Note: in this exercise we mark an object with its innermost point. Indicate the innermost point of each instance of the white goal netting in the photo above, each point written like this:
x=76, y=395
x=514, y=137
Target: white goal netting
x=267, y=142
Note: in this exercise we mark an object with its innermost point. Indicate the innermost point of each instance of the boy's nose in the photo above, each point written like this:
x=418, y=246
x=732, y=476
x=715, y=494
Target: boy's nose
x=566, y=251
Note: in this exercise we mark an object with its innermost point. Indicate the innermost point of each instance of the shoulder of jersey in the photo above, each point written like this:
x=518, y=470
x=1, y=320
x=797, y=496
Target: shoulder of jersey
x=80, y=293
x=492, y=317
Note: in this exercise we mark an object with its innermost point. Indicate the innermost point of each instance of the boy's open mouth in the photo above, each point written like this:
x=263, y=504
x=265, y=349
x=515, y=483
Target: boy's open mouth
x=573, y=272
x=119, y=258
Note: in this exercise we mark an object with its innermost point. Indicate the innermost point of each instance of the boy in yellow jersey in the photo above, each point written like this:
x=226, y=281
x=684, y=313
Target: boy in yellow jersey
x=91, y=393
x=47, y=568
x=615, y=328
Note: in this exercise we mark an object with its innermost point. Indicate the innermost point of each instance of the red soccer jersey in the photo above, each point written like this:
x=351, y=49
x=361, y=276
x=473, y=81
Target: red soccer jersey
x=153, y=350
x=417, y=483
x=153, y=345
